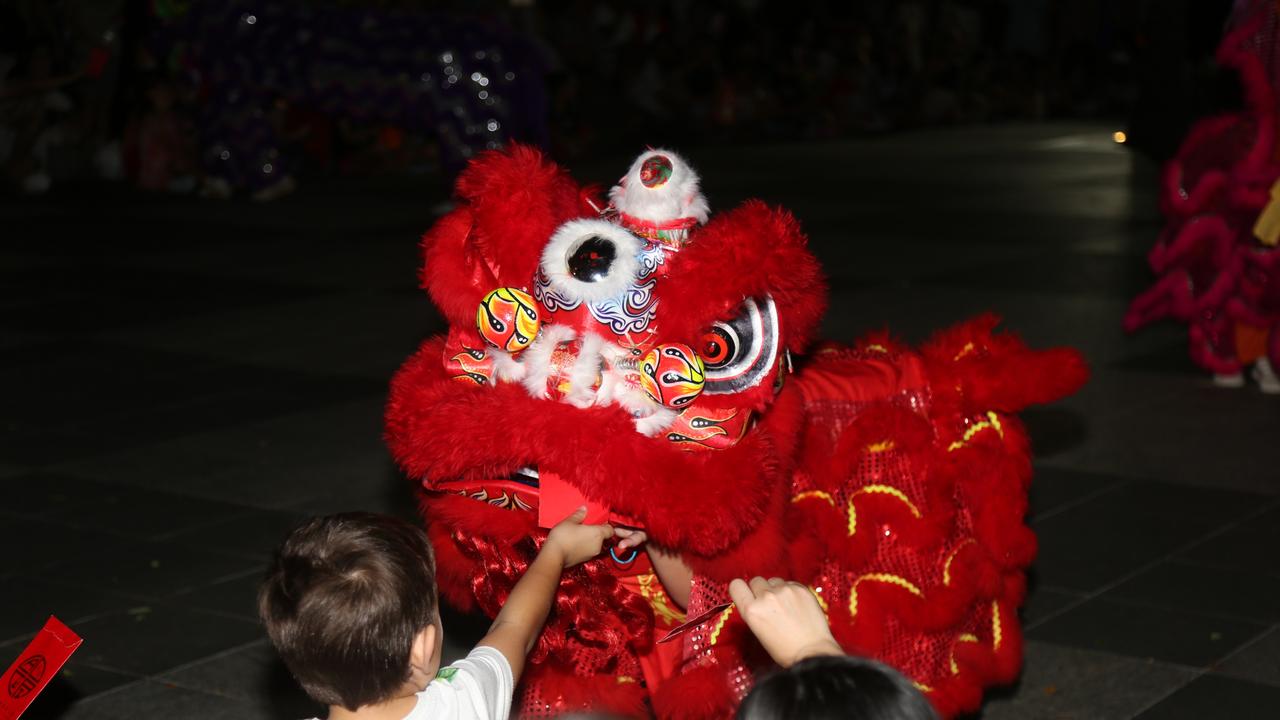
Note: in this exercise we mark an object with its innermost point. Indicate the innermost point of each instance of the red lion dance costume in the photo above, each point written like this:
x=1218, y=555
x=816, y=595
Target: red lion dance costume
x=648, y=359
x=1218, y=267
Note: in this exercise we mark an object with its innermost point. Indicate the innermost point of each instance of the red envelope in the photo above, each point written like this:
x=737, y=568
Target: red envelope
x=679, y=630
x=558, y=500
x=35, y=667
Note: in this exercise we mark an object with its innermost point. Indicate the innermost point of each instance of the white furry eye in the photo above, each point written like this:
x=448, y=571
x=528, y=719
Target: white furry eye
x=590, y=261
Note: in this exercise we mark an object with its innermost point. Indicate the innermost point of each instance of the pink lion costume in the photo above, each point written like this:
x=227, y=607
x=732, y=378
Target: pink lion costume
x=1217, y=266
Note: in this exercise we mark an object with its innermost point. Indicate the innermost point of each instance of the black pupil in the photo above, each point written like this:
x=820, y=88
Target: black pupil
x=591, y=261
x=719, y=349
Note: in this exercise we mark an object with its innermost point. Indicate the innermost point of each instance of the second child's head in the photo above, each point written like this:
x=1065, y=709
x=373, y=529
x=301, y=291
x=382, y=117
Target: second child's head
x=836, y=687
x=349, y=602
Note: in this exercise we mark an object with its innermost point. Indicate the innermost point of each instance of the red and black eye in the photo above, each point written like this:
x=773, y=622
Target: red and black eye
x=718, y=346
x=738, y=354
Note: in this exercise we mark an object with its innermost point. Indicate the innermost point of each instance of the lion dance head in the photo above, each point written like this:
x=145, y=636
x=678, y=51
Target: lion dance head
x=648, y=359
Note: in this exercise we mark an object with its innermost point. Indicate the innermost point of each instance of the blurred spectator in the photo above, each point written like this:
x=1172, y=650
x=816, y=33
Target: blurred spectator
x=165, y=159
x=274, y=88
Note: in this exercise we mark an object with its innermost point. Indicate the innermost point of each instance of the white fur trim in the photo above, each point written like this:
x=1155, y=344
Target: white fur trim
x=555, y=260
x=650, y=417
x=679, y=197
x=536, y=358
x=505, y=367
x=611, y=380
x=586, y=368
x=660, y=420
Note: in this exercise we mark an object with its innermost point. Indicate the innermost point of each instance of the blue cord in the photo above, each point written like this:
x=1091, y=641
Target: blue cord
x=620, y=561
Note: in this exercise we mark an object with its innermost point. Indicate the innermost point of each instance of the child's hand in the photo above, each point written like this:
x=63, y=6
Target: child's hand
x=574, y=542
x=785, y=617
x=631, y=538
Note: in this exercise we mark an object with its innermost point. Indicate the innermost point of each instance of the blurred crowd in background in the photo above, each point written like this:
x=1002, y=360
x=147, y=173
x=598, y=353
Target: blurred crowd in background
x=247, y=97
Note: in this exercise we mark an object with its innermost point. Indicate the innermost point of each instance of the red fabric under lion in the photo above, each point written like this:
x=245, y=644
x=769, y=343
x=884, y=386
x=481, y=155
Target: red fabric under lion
x=893, y=481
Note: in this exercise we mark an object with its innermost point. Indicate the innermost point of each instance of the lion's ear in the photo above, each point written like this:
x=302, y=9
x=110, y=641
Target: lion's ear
x=509, y=204
x=451, y=274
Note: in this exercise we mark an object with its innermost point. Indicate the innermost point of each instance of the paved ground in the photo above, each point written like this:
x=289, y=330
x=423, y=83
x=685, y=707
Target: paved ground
x=181, y=381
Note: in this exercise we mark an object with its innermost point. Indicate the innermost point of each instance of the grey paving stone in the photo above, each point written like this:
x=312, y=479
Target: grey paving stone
x=1043, y=603
x=155, y=699
x=382, y=492
x=1179, y=430
x=282, y=482
x=1258, y=662
x=28, y=602
x=1266, y=523
x=1088, y=546
x=253, y=534
x=139, y=512
x=1171, y=357
x=1245, y=594
x=1214, y=696
x=37, y=544
x=1212, y=505
x=128, y=397
x=1249, y=548
x=153, y=638
x=284, y=461
x=1065, y=274
x=252, y=674
x=37, y=494
x=88, y=299
x=76, y=682
x=1053, y=488
x=237, y=596
x=148, y=570
x=1143, y=631
x=362, y=333
x=1122, y=529
x=1063, y=683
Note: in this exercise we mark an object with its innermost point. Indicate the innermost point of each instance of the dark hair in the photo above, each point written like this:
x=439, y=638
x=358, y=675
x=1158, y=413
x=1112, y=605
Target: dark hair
x=343, y=600
x=836, y=687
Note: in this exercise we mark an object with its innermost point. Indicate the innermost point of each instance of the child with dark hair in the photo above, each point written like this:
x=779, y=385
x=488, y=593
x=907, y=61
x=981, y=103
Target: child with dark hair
x=836, y=687
x=817, y=680
x=349, y=602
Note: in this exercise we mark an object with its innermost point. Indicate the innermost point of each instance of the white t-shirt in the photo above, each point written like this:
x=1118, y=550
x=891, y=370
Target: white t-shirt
x=477, y=687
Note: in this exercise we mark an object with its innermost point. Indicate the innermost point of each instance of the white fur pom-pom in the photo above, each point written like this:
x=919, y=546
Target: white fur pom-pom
x=660, y=187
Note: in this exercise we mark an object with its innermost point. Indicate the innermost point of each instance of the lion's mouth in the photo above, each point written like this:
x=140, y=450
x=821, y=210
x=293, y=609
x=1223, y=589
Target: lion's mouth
x=517, y=490
x=527, y=475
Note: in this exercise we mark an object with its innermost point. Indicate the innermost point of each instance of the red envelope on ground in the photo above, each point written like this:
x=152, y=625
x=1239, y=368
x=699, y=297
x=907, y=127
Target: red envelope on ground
x=35, y=667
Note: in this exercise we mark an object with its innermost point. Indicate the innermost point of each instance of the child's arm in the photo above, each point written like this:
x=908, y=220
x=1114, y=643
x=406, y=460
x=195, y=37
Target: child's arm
x=520, y=621
x=672, y=571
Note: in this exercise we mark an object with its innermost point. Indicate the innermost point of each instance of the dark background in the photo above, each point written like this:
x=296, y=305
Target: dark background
x=326, y=89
